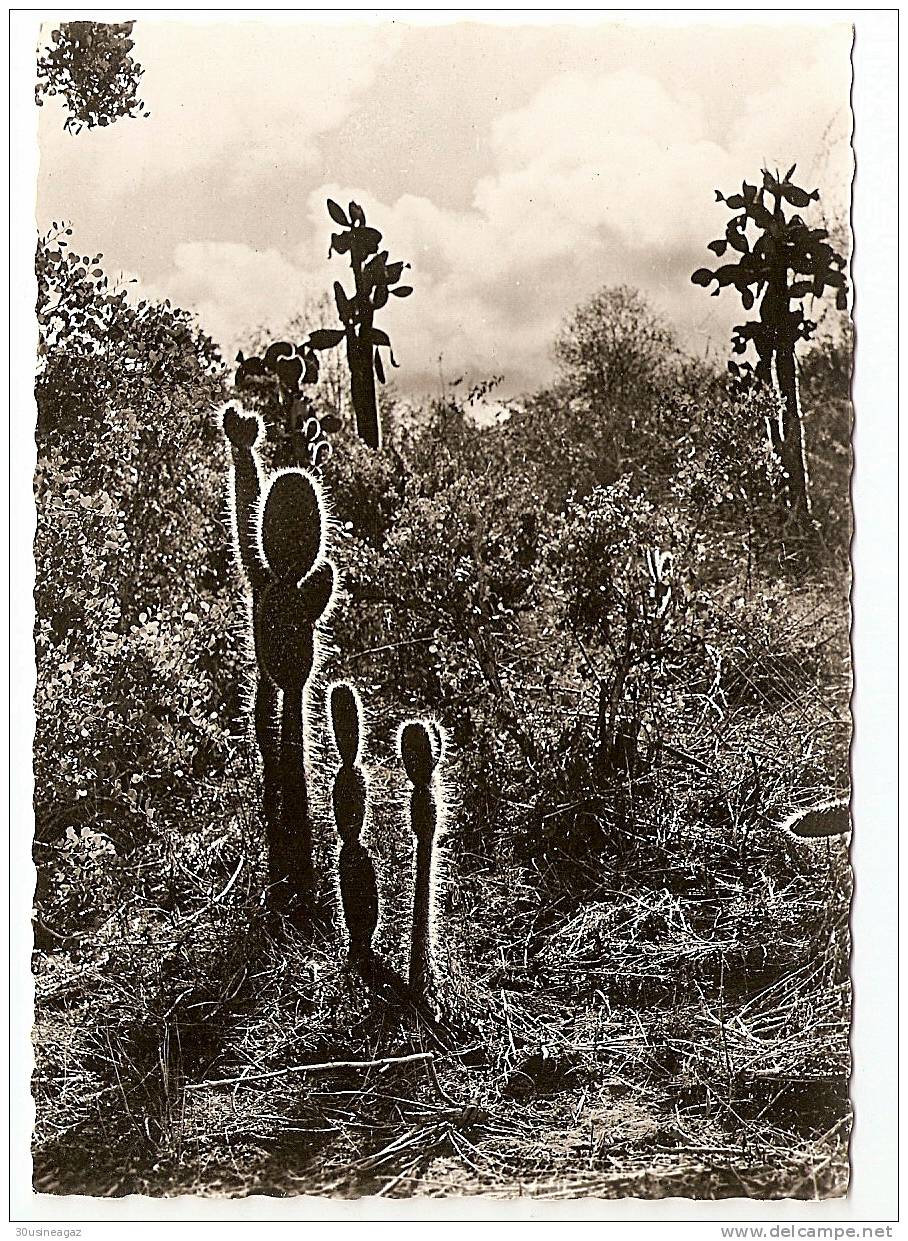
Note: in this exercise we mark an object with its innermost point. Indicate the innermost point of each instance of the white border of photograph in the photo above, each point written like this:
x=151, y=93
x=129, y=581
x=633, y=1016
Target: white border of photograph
x=873, y=1195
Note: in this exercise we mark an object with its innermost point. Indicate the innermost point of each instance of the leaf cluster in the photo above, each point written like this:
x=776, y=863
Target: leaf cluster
x=783, y=244
x=276, y=380
x=90, y=65
x=376, y=279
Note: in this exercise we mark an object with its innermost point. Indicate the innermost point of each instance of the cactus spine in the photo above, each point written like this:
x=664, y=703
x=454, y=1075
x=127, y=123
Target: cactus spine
x=280, y=547
x=420, y=751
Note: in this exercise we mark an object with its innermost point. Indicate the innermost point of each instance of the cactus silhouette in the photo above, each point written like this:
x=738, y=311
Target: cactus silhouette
x=375, y=279
x=280, y=546
x=787, y=262
x=358, y=886
x=356, y=870
x=420, y=744
x=829, y=818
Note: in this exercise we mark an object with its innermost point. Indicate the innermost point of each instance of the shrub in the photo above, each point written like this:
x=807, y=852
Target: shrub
x=616, y=353
x=138, y=669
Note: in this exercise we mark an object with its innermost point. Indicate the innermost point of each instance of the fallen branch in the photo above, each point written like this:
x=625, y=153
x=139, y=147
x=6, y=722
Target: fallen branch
x=327, y=1067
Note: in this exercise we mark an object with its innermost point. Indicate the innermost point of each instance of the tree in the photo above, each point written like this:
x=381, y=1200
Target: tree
x=90, y=66
x=787, y=262
x=615, y=350
x=374, y=280
x=622, y=373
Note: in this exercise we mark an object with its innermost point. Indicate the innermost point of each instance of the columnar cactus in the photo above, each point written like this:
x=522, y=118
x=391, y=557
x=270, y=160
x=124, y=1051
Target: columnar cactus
x=421, y=748
x=280, y=546
x=358, y=886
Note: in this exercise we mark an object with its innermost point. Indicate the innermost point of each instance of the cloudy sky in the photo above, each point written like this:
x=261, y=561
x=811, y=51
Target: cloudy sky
x=519, y=168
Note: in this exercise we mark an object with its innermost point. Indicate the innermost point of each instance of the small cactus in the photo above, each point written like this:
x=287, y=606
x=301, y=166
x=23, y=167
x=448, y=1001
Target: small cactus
x=420, y=744
x=358, y=885
x=280, y=546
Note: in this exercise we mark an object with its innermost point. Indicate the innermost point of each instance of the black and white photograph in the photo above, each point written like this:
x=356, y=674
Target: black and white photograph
x=443, y=442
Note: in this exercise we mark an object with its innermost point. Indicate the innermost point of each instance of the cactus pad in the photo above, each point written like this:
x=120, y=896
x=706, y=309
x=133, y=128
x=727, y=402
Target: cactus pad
x=292, y=524
x=829, y=819
x=417, y=752
x=345, y=722
x=241, y=429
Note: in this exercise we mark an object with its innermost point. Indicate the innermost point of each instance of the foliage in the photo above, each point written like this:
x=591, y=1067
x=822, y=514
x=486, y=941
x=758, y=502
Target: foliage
x=592, y=596
x=615, y=351
x=825, y=384
x=623, y=377
x=277, y=383
x=124, y=393
x=300, y=416
x=90, y=66
x=133, y=629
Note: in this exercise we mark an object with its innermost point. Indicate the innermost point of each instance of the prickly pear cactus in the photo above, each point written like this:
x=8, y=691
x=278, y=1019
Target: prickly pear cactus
x=820, y=821
x=293, y=524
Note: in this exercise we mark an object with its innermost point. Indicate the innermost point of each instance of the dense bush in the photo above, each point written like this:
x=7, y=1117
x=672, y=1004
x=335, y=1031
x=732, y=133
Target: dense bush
x=136, y=629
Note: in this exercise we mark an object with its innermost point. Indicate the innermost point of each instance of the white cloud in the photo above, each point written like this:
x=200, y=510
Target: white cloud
x=807, y=119
x=235, y=289
x=600, y=178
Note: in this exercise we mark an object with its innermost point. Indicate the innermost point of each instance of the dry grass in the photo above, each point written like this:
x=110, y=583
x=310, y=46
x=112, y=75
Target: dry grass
x=666, y=1014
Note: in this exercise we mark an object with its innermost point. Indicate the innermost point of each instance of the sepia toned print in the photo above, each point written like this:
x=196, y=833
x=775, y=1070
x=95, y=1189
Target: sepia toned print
x=442, y=609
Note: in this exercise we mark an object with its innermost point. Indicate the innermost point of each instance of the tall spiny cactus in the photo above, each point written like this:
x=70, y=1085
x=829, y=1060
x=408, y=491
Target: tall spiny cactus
x=374, y=280
x=420, y=744
x=280, y=544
